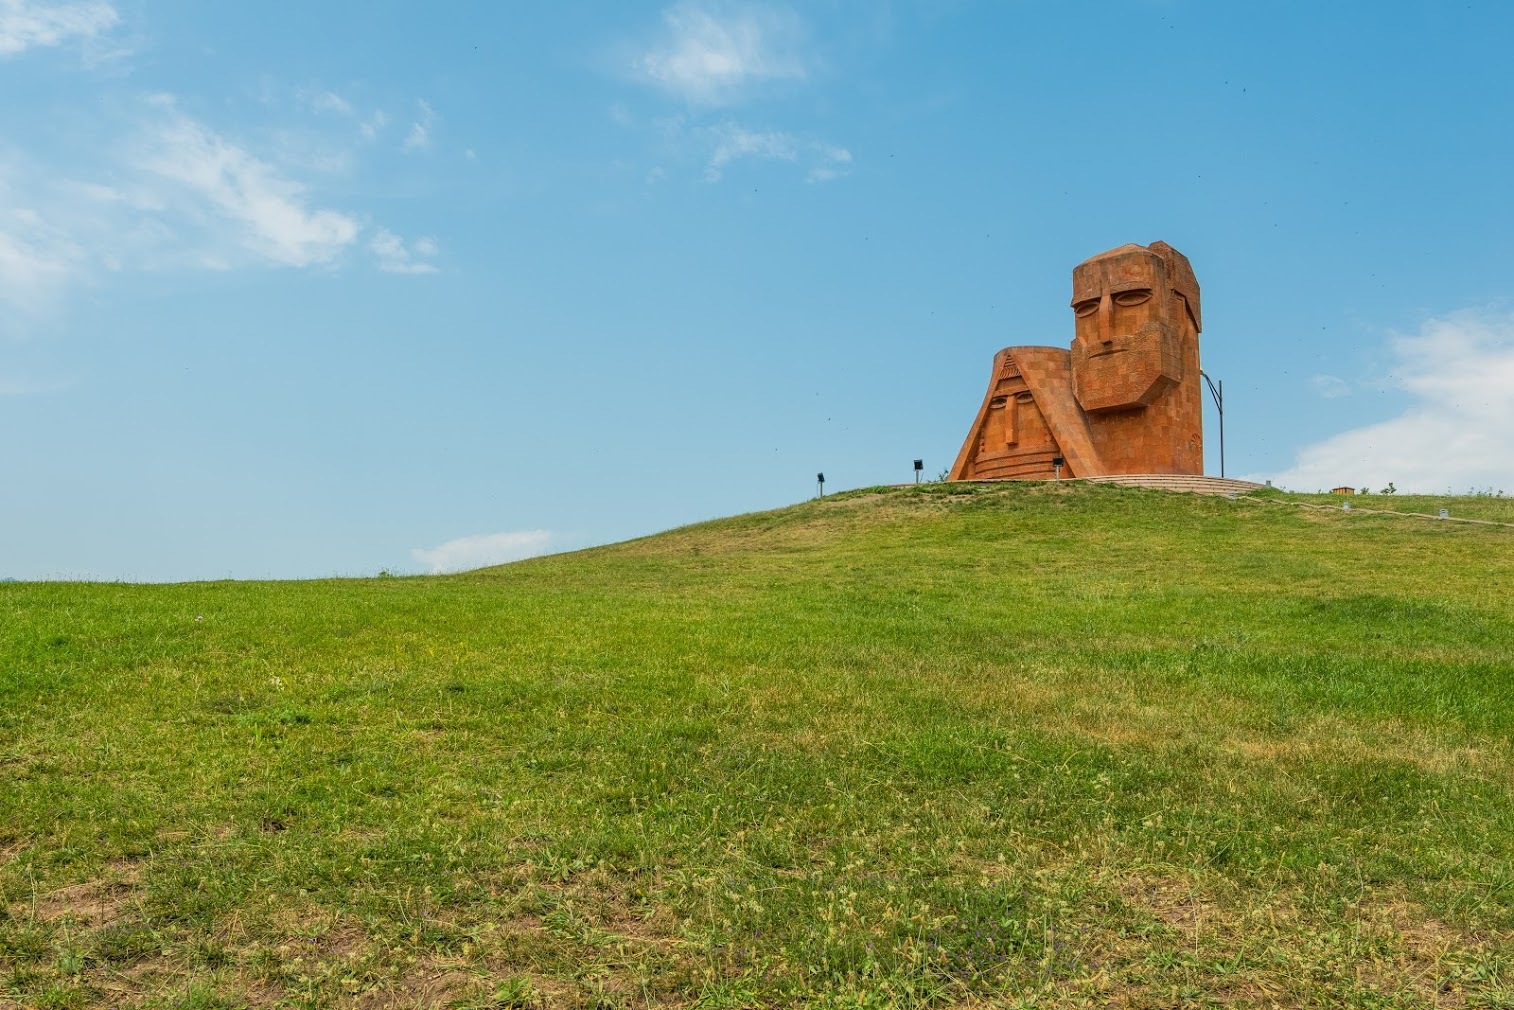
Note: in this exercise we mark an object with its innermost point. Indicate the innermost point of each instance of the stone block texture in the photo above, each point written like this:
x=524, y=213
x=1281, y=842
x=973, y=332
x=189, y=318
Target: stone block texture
x=1125, y=399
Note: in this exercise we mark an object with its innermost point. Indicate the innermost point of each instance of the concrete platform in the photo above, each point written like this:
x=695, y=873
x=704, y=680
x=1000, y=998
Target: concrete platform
x=1191, y=483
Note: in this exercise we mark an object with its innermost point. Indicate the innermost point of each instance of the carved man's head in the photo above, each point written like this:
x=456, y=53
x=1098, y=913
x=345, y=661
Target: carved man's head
x=1137, y=308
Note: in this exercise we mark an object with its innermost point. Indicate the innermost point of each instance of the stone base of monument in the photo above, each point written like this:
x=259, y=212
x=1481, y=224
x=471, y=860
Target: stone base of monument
x=1192, y=483
x=1189, y=483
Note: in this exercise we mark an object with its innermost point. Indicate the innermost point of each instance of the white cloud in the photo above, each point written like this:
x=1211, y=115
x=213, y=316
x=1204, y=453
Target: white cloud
x=1330, y=386
x=484, y=549
x=419, y=136
x=371, y=127
x=1455, y=435
x=35, y=260
x=270, y=211
x=52, y=231
x=395, y=258
x=172, y=193
x=834, y=163
x=25, y=24
x=715, y=54
x=330, y=101
x=731, y=142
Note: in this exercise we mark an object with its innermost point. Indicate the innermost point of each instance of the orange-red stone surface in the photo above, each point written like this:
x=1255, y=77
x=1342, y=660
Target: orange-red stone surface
x=1125, y=399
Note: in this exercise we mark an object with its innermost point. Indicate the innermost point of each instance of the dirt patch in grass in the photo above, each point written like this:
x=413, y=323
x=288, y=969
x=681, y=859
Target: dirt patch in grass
x=93, y=903
x=1175, y=903
x=1421, y=952
x=424, y=985
x=1399, y=951
x=129, y=985
x=344, y=940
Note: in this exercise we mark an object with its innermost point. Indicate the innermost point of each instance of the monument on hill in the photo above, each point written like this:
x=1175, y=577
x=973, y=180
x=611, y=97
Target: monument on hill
x=1125, y=399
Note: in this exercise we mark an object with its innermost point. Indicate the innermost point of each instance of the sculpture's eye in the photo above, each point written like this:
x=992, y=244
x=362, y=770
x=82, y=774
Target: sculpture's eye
x=1129, y=298
x=1087, y=308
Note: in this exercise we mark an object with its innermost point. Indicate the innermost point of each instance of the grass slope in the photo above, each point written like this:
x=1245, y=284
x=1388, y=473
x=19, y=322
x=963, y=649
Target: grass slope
x=941, y=747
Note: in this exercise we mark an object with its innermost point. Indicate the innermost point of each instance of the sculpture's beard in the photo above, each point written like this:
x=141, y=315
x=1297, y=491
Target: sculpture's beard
x=1132, y=370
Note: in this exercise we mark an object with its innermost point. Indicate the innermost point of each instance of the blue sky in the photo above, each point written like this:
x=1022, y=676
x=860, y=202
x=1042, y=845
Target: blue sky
x=293, y=290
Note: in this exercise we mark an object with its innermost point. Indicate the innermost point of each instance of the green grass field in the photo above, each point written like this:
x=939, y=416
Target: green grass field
x=940, y=747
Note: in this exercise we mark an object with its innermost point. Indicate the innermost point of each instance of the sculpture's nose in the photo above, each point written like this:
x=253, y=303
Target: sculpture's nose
x=1106, y=322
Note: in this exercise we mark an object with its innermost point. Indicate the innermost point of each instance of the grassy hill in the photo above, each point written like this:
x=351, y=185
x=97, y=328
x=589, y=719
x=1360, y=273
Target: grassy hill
x=947, y=746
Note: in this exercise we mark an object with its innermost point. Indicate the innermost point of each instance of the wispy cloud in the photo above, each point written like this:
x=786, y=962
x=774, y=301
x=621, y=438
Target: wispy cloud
x=419, y=136
x=731, y=142
x=181, y=194
x=27, y=24
x=270, y=213
x=1330, y=386
x=330, y=101
x=373, y=124
x=1459, y=374
x=734, y=142
x=484, y=549
x=717, y=54
x=395, y=257
x=36, y=260
x=831, y=163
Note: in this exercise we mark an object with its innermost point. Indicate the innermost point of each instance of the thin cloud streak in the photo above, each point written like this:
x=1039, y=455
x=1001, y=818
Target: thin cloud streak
x=270, y=209
x=732, y=142
x=1331, y=387
x=330, y=101
x=419, y=137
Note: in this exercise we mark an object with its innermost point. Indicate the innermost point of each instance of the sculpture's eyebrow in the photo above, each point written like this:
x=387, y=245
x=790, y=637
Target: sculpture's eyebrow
x=1138, y=285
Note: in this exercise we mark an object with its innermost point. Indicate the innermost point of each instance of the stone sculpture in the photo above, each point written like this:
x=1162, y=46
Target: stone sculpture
x=1124, y=399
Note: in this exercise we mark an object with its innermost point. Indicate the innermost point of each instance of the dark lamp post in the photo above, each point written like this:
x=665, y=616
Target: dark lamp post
x=1218, y=392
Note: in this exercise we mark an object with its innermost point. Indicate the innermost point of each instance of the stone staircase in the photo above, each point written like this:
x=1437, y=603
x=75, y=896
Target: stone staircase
x=1191, y=483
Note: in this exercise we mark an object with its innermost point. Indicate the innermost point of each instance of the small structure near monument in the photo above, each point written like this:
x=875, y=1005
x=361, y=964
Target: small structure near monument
x=1343, y=490
x=1124, y=400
